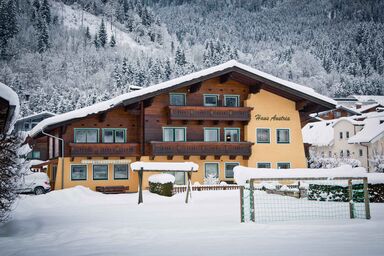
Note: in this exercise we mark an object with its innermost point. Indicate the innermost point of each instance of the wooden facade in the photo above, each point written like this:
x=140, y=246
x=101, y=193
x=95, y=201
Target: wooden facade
x=145, y=117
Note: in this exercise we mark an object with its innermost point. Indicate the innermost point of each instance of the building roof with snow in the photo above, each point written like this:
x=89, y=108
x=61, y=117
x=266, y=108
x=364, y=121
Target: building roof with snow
x=319, y=133
x=28, y=122
x=231, y=69
x=9, y=108
x=373, y=129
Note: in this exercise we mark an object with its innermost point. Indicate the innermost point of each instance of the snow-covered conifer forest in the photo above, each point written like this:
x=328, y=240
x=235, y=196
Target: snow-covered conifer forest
x=65, y=54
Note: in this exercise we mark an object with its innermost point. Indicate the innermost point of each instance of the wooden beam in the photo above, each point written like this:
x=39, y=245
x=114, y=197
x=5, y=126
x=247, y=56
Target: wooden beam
x=225, y=78
x=217, y=157
x=203, y=157
x=232, y=157
x=148, y=102
x=195, y=87
x=152, y=158
x=140, y=186
x=102, y=116
x=254, y=89
x=301, y=104
x=245, y=157
x=186, y=157
x=169, y=157
x=142, y=128
x=138, y=158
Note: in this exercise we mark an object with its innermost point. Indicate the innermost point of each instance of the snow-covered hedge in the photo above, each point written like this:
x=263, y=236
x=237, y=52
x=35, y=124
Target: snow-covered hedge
x=316, y=162
x=161, y=184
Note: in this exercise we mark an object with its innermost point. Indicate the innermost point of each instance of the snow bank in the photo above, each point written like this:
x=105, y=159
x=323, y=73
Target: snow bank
x=162, y=178
x=375, y=178
x=102, y=106
x=242, y=174
x=163, y=166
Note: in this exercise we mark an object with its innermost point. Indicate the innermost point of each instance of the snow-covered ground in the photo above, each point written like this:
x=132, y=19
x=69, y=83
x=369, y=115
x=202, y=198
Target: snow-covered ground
x=78, y=221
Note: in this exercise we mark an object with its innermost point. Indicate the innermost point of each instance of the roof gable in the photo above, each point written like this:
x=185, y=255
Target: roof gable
x=229, y=70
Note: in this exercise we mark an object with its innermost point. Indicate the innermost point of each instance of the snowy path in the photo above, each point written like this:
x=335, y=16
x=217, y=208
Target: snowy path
x=81, y=222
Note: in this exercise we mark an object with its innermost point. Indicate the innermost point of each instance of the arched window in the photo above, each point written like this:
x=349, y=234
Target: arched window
x=341, y=153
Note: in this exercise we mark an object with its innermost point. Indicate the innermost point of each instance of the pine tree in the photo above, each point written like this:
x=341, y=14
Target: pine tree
x=8, y=24
x=180, y=59
x=117, y=76
x=45, y=11
x=112, y=42
x=36, y=9
x=103, y=37
x=87, y=36
x=43, y=37
x=96, y=41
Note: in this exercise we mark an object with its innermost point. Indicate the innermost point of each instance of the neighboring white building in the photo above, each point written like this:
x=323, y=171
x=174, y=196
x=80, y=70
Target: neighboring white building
x=357, y=137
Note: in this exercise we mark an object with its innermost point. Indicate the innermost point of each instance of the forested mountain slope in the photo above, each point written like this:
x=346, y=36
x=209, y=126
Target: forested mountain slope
x=65, y=54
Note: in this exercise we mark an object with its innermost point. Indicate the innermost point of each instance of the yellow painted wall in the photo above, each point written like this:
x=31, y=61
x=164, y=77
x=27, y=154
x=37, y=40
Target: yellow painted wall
x=132, y=182
x=268, y=104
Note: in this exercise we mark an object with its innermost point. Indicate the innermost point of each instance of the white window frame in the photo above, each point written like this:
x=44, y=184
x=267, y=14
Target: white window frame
x=114, y=177
x=217, y=97
x=93, y=172
x=212, y=128
x=218, y=169
x=172, y=127
x=86, y=171
x=231, y=96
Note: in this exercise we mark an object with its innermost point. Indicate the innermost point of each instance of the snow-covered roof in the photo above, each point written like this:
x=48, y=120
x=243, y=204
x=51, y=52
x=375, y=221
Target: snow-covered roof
x=165, y=166
x=373, y=129
x=36, y=115
x=9, y=94
x=243, y=174
x=367, y=98
x=163, y=87
x=364, y=108
x=318, y=133
x=161, y=178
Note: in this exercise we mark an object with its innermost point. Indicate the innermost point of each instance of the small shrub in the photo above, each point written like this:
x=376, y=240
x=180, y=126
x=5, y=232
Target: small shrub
x=165, y=189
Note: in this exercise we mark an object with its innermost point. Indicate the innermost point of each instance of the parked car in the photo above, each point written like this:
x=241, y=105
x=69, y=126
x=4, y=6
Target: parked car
x=34, y=182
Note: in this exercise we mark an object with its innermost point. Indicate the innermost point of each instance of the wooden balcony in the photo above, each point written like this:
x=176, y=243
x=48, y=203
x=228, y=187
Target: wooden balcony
x=202, y=113
x=104, y=149
x=201, y=148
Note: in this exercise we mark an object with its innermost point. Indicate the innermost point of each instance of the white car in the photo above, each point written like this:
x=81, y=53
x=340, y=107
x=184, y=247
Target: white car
x=34, y=182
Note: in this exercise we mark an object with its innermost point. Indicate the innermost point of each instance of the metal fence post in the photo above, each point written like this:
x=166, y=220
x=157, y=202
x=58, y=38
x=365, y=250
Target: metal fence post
x=350, y=196
x=366, y=199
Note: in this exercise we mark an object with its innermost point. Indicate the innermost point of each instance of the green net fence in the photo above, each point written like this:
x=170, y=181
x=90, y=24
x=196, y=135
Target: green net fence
x=271, y=200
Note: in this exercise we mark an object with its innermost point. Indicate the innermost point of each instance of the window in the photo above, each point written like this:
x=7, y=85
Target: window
x=337, y=114
x=263, y=135
x=231, y=100
x=177, y=99
x=341, y=153
x=86, y=135
x=211, y=100
x=341, y=135
x=229, y=170
x=78, y=172
x=211, y=134
x=114, y=135
x=360, y=152
x=174, y=134
x=34, y=155
x=232, y=134
x=179, y=177
x=264, y=165
x=120, y=172
x=348, y=153
x=282, y=136
x=26, y=126
x=100, y=172
x=283, y=165
x=212, y=170
x=329, y=153
x=347, y=135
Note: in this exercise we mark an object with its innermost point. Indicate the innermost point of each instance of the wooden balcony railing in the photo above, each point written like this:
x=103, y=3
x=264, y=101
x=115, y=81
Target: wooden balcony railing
x=209, y=113
x=201, y=148
x=103, y=149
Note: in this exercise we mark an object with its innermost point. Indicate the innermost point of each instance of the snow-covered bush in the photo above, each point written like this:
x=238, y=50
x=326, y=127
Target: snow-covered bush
x=211, y=180
x=161, y=184
x=319, y=162
x=377, y=162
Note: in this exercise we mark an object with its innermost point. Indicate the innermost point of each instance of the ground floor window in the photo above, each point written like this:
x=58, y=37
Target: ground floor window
x=360, y=152
x=212, y=170
x=264, y=165
x=78, y=172
x=229, y=170
x=100, y=172
x=283, y=165
x=179, y=177
x=120, y=172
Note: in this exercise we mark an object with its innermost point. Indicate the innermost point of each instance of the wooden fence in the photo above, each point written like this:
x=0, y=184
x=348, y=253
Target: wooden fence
x=182, y=188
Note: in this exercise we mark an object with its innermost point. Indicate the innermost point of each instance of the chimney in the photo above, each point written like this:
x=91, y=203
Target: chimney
x=358, y=105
